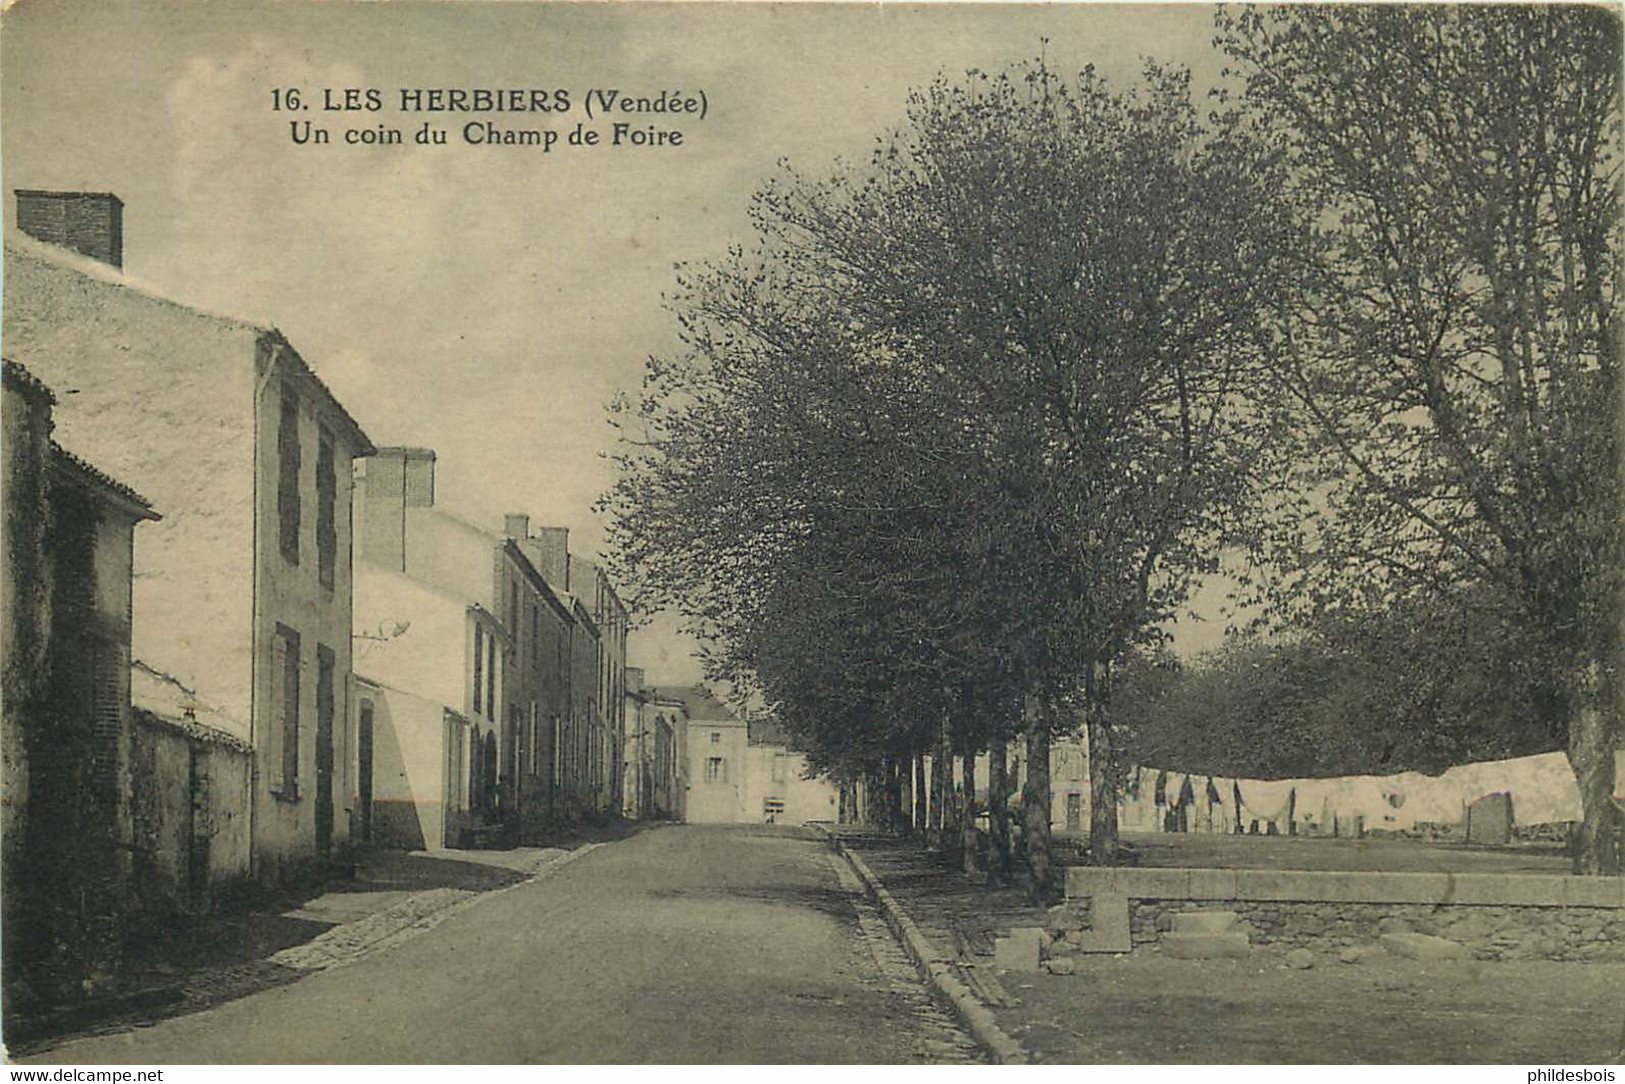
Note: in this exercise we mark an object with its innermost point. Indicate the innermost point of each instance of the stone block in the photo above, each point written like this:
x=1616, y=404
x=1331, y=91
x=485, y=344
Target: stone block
x=1018, y=952
x=1061, y=965
x=1421, y=946
x=1156, y=884
x=1212, y=884
x=1594, y=891
x=1206, y=922
x=1205, y=946
x=1300, y=959
x=1089, y=881
x=1489, y=820
x=1109, y=926
x=1525, y=889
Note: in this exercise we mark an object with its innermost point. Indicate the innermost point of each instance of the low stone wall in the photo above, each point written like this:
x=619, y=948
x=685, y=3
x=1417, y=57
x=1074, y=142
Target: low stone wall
x=189, y=820
x=1496, y=916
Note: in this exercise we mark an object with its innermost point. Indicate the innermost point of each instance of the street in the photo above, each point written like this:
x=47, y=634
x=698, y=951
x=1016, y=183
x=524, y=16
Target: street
x=683, y=944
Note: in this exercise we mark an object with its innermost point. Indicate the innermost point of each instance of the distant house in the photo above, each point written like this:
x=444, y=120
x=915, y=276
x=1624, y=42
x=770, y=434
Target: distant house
x=590, y=583
x=717, y=757
x=778, y=787
x=591, y=740
x=656, y=775
x=242, y=594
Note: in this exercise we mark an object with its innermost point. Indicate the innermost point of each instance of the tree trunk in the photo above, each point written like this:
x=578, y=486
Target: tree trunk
x=922, y=811
x=897, y=795
x=905, y=793
x=1593, y=736
x=1103, y=839
x=942, y=779
x=967, y=815
x=998, y=812
x=1035, y=801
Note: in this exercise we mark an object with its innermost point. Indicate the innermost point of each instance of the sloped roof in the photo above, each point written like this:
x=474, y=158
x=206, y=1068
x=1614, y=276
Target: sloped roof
x=18, y=375
x=109, y=488
x=19, y=245
x=700, y=703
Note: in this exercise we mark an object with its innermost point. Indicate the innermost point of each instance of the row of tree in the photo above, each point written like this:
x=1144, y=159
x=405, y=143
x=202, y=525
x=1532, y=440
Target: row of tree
x=959, y=430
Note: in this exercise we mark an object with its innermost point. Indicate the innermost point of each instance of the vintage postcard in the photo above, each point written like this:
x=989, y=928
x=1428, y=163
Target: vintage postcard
x=551, y=533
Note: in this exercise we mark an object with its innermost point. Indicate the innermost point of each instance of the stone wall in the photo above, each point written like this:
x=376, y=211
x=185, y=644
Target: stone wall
x=189, y=826
x=1489, y=932
x=1495, y=916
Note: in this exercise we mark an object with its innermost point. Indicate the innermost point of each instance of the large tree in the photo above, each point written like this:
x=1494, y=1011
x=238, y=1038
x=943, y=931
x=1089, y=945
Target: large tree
x=993, y=378
x=1453, y=349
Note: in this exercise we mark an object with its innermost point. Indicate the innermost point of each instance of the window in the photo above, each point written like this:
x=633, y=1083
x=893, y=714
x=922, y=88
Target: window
x=287, y=482
x=479, y=663
x=558, y=750
x=513, y=607
x=490, y=677
x=326, y=668
x=716, y=737
x=533, y=740
x=454, y=762
x=327, y=534
x=285, y=675
x=716, y=770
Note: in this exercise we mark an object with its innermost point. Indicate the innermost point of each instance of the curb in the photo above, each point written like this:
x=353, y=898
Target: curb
x=352, y=941
x=936, y=971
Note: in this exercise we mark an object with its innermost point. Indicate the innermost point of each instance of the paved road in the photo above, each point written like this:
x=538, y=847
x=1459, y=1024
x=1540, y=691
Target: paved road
x=682, y=944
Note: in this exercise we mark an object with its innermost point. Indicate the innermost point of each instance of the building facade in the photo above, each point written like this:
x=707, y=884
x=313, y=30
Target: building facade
x=778, y=787
x=717, y=759
x=655, y=776
x=484, y=637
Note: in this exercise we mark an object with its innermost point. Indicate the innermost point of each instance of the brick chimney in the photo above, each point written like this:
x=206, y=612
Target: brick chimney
x=90, y=223
x=386, y=485
x=516, y=525
x=549, y=550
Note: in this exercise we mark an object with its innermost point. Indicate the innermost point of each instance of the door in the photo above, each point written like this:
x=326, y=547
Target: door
x=325, y=667
x=197, y=866
x=364, y=769
x=1074, y=811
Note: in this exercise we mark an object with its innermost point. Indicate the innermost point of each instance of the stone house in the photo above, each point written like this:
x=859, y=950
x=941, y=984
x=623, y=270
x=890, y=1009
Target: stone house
x=609, y=614
x=778, y=789
x=66, y=732
x=718, y=757
x=431, y=670
x=592, y=736
x=242, y=593
x=583, y=751
x=458, y=618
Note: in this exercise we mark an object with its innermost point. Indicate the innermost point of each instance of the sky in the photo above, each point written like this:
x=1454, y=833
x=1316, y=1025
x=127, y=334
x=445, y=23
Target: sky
x=487, y=301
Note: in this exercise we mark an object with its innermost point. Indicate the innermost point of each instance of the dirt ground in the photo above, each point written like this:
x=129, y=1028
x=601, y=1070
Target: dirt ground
x=1147, y=1008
